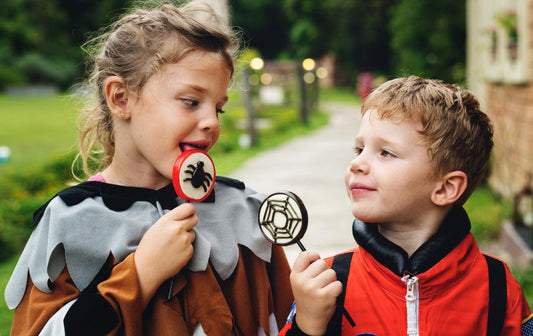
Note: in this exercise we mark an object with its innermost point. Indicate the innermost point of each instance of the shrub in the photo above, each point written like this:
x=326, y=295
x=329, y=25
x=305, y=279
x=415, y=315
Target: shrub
x=25, y=192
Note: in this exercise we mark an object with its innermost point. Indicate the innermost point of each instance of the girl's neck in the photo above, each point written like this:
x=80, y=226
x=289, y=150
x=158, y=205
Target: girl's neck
x=114, y=175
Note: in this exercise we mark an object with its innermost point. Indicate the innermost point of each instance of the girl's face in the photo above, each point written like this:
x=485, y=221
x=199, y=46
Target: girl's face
x=389, y=181
x=176, y=110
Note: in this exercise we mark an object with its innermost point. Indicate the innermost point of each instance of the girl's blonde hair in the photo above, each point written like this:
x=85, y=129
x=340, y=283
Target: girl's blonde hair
x=456, y=132
x=136, y=47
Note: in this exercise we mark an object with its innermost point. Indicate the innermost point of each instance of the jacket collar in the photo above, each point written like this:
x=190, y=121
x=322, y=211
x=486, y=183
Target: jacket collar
x=452, y=231
x=116, y=197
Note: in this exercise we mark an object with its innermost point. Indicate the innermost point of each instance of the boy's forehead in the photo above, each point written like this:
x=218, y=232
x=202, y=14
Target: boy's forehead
x=394, y=116
x=394, y=122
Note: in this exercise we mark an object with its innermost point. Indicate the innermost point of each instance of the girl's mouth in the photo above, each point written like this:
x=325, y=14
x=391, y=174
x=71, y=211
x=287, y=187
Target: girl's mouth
x=184, y=146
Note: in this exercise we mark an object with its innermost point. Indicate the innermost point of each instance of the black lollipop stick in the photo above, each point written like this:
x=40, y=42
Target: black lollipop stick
x=283, y=221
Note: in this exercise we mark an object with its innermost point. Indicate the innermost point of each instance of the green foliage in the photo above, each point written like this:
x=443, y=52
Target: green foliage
x=41, y=39
x=525, y=279
x=363, y=44
x=22, y=193
x=37, y=69
x=6, y=315
x=508, y=21
x=429, y=39
x=308, y=28
x=264, y=24
x=486, y=212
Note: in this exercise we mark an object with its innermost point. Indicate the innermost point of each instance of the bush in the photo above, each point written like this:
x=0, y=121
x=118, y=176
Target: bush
x=23, y=193
x=37, y=69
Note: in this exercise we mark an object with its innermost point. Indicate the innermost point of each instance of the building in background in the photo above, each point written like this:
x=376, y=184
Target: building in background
x=499, y=71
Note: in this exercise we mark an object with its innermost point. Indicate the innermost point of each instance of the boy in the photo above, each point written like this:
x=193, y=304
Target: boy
x=422, y=148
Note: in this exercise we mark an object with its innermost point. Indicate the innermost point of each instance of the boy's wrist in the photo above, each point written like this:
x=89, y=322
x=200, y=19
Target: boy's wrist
x=295, y=330
x=307, y=331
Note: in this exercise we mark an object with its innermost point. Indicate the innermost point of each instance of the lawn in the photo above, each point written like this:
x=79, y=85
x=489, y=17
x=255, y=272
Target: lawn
x=5, y=314
x=36, y=128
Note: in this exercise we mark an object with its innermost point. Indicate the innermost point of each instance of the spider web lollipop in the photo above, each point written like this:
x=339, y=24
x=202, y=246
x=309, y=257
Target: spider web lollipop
x=283, y=219
x=193, y=175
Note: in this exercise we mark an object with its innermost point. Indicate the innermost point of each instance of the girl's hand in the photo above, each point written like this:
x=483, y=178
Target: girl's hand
x=165, y=248
x=315, y=288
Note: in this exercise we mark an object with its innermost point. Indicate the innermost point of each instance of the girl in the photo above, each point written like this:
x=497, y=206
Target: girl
x=100, y=256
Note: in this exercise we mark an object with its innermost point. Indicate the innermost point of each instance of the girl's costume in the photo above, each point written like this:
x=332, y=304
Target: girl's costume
x=76, y=275
x=442, y=289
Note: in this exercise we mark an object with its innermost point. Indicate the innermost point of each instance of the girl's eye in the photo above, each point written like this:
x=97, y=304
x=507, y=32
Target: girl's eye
x=220, y=111
x=190, y=102
x=358, y=150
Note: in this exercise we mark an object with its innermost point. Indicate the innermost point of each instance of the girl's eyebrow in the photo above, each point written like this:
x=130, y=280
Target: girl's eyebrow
x=201, y=89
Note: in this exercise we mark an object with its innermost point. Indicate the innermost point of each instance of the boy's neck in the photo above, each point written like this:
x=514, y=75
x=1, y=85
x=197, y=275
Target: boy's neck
x=410, y=236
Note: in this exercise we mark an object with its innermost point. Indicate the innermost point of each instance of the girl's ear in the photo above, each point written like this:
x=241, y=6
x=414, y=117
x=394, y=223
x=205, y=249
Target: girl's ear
x=116, y=96
x=450, y=188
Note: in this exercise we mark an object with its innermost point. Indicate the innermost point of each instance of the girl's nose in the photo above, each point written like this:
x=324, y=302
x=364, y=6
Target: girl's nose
x=209, y=119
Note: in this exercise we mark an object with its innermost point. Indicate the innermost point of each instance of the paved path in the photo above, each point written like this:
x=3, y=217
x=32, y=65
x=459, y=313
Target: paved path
x=313, y=167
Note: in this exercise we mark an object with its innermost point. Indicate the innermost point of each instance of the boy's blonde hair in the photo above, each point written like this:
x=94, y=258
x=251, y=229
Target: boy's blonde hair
x=457, y=134
x=136, y=47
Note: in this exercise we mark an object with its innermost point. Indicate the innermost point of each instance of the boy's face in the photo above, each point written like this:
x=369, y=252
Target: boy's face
x=390, y=181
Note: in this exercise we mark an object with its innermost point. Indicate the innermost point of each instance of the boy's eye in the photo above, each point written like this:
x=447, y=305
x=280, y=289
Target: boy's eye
x=357, y=150
x=220, y=111
x=386, y=153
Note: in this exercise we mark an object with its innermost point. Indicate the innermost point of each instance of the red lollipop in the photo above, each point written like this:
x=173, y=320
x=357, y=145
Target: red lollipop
x=193, y=175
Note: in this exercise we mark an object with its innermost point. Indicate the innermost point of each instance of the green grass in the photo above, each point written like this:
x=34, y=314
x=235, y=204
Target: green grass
x=36, y=128
x=6, y=315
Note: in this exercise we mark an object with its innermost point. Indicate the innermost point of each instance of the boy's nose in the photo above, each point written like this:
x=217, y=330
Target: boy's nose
x=359, y=165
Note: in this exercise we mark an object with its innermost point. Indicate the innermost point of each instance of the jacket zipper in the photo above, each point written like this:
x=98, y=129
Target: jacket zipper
x=411, y=302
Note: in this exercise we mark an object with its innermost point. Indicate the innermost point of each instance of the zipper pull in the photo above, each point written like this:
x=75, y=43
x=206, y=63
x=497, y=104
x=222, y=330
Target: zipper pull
x=411, y=302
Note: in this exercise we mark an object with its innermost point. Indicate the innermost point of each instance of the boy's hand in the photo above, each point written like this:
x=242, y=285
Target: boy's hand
x=315, y=288
x=165, y=248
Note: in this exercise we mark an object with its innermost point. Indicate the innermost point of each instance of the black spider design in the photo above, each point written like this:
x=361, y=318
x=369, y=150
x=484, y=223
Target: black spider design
x=199, y=177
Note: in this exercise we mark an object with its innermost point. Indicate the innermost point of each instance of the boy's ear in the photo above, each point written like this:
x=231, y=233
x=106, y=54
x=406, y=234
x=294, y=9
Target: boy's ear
x=116, y=95
x=450, y=188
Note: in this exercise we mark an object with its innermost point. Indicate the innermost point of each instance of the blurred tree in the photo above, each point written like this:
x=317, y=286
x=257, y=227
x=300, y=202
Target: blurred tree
x=429, y=39
x=40, y=40
x=360, y=37
x=264, y=24
x=308, y=34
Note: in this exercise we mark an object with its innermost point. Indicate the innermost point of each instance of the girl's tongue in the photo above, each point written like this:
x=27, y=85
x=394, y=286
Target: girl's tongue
x=188, y=146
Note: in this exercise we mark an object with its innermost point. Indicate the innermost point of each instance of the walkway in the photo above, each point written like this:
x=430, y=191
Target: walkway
x=313, y=167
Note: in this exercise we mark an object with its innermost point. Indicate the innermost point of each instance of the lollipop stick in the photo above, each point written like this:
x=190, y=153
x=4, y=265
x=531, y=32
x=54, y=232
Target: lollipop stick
x=171, y=286
x=169, y=296
x=300, y=245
